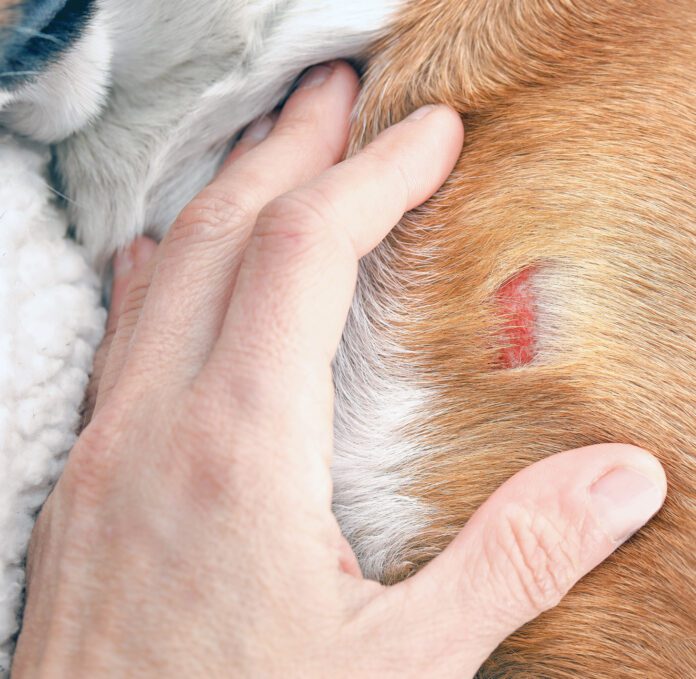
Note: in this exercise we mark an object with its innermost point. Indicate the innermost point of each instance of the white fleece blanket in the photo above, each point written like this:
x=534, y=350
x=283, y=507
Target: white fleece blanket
x=51, y=322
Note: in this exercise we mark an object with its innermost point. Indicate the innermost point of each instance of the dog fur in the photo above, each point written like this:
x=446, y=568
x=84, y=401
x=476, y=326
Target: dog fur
x=578, y=167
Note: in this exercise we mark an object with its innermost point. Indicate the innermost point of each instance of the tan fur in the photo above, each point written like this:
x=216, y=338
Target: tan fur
x=581, y=160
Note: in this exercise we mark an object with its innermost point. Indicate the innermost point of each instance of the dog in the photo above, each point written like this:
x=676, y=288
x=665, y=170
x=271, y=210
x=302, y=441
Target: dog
x=542, y=300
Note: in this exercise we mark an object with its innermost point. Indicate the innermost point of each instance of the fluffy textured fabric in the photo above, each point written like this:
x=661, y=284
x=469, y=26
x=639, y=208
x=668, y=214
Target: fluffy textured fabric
x=50, y=323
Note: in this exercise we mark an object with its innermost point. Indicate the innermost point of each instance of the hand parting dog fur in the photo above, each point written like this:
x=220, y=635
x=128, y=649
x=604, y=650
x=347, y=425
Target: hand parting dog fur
x=542, y=300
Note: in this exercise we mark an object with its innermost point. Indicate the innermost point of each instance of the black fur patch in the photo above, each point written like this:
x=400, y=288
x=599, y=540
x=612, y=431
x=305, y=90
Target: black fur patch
x=41, y=32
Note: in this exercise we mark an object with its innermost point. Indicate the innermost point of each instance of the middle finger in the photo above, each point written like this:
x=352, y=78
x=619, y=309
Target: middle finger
x=196, y=264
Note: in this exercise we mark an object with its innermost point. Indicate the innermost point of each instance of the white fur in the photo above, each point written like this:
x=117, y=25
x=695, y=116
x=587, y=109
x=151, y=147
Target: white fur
x=376, y=403
x=181, y=94
x=183, y=82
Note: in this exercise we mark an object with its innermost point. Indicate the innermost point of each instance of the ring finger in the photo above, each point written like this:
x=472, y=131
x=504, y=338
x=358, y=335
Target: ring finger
x=194, y=268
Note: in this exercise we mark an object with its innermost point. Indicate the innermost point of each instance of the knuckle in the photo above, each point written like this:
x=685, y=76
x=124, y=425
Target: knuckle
x=210, y=217
x=203, y=413
x=296, y=128
x=91, y=469
x=295, y=223
x=386, y=163
x=288, y=223
x=301, y=131
x=203, y=450
x=374, y=153
x=209, y=480
x=537, y=558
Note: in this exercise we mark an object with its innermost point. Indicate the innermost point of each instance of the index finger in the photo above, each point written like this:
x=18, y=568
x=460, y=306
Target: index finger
x=298, y=274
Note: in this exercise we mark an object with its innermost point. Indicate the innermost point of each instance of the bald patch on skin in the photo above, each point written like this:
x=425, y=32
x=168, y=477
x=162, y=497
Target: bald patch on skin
x=517, y=306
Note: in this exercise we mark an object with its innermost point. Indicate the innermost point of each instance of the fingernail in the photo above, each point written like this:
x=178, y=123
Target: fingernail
x=422, y=112
x=135, y=256
x=315, y=76
x=124, y=262
x=143, y=249
x=624, y=500
x=260, y=129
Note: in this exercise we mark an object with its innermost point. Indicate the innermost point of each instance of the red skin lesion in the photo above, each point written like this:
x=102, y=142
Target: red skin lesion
x=515, y=299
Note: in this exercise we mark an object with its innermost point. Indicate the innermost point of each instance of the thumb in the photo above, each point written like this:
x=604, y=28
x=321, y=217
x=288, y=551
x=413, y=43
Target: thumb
x=523, y=550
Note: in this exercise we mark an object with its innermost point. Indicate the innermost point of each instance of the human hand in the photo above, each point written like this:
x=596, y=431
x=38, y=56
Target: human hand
x=191, y=533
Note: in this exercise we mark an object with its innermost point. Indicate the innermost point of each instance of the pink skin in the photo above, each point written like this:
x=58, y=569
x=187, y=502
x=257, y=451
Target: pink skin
x=191, y=532
x=517, y=307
